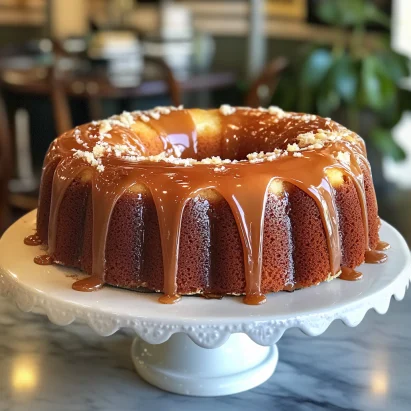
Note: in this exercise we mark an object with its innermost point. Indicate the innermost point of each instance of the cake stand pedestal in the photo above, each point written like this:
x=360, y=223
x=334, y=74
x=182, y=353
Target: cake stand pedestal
x=199, y=347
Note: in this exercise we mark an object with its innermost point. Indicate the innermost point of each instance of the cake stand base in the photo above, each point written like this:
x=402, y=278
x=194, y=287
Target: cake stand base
x=182, y=367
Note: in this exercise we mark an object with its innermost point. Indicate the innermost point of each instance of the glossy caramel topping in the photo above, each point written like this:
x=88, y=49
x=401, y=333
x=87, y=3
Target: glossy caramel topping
x=212, y=296
x=254, y=299
x=375, y=257
x=44, y=259
x=349, y=274
x=88, y=284
x=292, y=287
x=178, y=134
x=33, y=239
x=266, y=132
x=300, y=149
x=382, y=246
x=169, y=299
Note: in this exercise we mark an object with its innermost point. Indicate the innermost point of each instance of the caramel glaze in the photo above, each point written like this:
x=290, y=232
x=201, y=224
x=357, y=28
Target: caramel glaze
x=243, y=185
x=349, y=274
x=178, y=134
x=212, y=296
x=292, y=287
x=44, y=259
x=33, y=239
x=89, y=284
x=382, y=246
x=375, y=257
x=169, y=299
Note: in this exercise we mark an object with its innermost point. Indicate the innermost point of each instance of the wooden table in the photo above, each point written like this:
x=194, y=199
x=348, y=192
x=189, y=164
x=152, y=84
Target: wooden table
x=89, y=80
x=29, y=75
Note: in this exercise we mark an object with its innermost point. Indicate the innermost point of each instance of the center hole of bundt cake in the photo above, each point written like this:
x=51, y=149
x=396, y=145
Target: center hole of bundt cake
x=239, y=149
x=234, y=136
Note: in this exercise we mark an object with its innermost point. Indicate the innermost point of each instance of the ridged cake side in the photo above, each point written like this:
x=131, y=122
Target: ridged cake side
x=230, y=201
x=211, y=255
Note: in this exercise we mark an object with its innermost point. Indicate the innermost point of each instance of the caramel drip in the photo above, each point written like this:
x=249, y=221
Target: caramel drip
x=355, y=172
x=107, y=188
x=375, y=257
x=382, y=246
x=178, y=133
x=292, y=287
x=212, y=296
x=249, y=215
x=310, y=177
x=169, y=299
x=349, y=274
x=243, y=185
x=170, y=193
x=44, y=259
x=88, y=284
x=33, y=239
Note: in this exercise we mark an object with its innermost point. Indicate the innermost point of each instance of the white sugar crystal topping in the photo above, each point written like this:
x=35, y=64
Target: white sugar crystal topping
x=99, y=150
x=277, y=111
x=306, y=141
x=104, y=127
x=293, y=147
x=227, y=110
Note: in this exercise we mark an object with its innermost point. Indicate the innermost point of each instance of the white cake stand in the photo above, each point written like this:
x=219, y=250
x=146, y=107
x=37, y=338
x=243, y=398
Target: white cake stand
x=200, y=347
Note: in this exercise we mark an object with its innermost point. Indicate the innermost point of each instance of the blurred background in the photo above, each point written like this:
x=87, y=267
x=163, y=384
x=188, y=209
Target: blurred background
x=63, y=63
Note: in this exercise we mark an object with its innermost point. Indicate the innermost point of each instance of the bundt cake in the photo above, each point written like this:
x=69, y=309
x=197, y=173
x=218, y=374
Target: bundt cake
x=233, y=201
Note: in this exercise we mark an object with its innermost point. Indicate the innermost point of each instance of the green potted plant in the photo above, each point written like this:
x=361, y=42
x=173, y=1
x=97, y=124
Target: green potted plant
x=356, y=80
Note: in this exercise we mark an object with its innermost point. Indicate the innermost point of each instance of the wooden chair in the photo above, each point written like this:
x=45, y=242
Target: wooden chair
x=98, y=88
x=49, y=81
x=6, y=166
x=172, y=83
x=263, y=88
x=92, y=88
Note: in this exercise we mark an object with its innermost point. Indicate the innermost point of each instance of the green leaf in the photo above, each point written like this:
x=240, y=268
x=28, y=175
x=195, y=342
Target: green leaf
x=395, y=65
x=391, y=114
x=328, y=12
x=306, y=100
x=316, y=67
x=341, y=13
x=352, y=12
x=373, y=14
x=404, y=100
x=344, y=76
x=383, y=140
x=285, y=95
x=348, y=13
x=377, y=88
x=328, y=101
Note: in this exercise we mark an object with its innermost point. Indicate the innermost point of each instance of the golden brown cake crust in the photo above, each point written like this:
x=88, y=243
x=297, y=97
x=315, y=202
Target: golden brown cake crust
x=131, y=158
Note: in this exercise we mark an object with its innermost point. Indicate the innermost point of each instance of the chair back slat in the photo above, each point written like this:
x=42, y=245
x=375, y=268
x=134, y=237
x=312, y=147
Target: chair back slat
x=6, y=166
x=263, y=88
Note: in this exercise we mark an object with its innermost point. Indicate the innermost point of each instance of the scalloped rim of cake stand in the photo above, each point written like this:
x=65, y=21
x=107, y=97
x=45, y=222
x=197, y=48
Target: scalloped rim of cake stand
x=209, y=323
